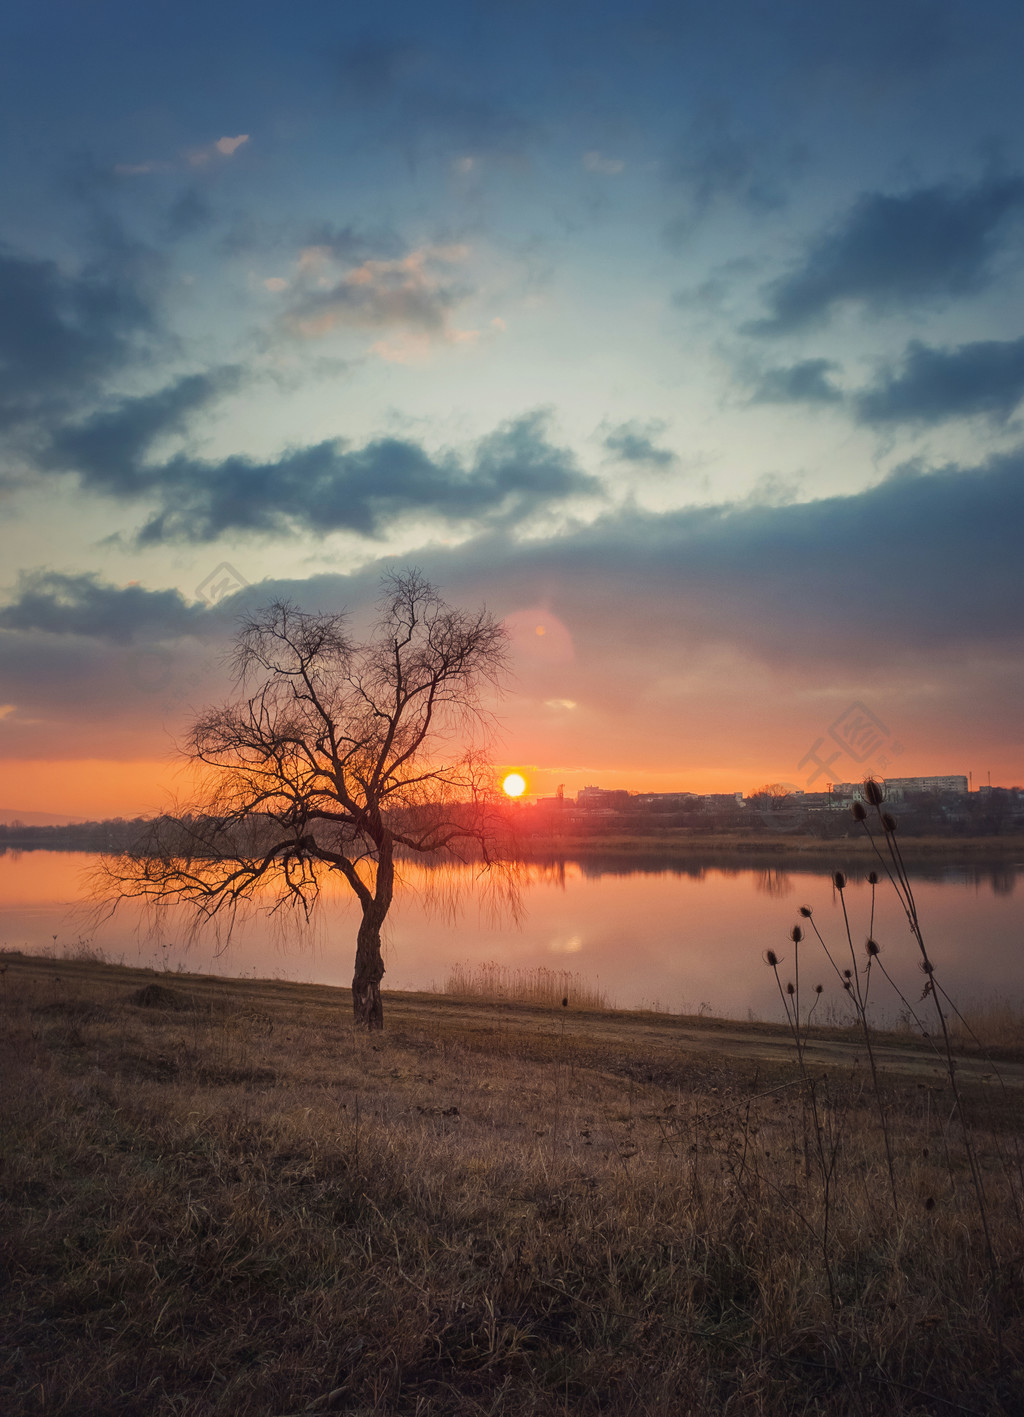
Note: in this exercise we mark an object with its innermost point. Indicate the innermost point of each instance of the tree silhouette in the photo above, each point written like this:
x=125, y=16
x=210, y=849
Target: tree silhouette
x=769, y=797
x=340, y=759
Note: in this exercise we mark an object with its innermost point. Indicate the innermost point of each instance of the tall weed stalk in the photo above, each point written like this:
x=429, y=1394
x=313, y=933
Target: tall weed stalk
x=856, y=979
x=895, y=868
x=826, y=1143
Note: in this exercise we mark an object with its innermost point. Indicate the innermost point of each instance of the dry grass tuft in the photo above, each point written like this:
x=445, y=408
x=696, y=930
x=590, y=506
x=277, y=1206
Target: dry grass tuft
x=995, y=1023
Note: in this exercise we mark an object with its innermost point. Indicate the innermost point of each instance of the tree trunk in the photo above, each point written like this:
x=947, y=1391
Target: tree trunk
x=366, y=1002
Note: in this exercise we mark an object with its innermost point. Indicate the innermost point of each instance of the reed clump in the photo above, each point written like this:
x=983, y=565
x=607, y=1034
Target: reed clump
x=990, y=1023
x=502, y=983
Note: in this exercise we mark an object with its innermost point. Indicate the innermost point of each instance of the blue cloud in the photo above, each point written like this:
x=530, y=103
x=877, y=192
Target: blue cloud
x=55, y=603
x=106, y=450
x=889, y=253
x=512, y=474
x=188, y=214
x=62, y=334
x=719, y=159
x=373, y=67
x=633, y=442
x=985, y=378
x=804, y=382
x=427, y=97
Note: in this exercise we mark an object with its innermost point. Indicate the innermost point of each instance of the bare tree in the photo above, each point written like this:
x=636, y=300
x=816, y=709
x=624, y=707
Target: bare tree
x=770, y=797
x=340, y=758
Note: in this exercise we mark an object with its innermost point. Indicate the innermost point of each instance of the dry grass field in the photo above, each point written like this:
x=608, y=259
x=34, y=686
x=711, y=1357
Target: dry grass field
x=219, y=1198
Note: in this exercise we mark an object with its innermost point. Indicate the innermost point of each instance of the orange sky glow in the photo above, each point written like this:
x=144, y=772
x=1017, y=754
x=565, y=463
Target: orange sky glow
x=98, y=788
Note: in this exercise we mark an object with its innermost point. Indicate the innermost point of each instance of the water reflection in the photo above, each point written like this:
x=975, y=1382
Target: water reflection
x=774, y=882
x=1003, y=881
x=683, y=934
x=999, y=876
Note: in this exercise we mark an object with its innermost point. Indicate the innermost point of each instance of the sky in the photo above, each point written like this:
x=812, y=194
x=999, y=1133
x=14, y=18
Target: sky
x=687, y=338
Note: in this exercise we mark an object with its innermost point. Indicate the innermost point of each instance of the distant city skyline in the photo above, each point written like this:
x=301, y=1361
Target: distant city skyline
x=842, y=791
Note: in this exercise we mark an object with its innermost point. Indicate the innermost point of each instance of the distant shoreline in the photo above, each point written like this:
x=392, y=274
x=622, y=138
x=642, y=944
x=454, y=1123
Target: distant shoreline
x=684, y=844
x=782, y=848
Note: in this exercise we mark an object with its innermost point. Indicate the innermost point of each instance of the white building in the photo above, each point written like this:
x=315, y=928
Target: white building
x=896, y=788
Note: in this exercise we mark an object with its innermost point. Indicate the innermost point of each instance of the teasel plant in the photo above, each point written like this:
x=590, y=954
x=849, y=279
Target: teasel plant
x=856, y=983
x=856, y=978
x=894, y=866
x=826, y=1138
x=859, y=986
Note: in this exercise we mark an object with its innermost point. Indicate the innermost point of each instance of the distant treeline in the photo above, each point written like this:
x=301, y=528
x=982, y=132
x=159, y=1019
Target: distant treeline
x=210, y=836
x=187, y=836
x=116, y=834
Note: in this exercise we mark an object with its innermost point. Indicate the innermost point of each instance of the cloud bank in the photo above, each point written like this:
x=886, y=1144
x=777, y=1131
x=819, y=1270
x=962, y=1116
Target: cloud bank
x=898, y=586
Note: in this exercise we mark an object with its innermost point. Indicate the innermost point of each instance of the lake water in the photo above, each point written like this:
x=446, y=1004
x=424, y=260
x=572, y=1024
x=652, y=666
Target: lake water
x=682, y=937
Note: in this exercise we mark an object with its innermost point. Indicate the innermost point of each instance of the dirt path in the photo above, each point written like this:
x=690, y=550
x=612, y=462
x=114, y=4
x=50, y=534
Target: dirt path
x=662, y=1038
x=639, y=1037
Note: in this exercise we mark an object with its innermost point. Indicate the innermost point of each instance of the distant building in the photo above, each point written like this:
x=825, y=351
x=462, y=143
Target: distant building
x=813, y=801
x=896, y=788
x=594, y=798
x=717, y=800
x=843, y=793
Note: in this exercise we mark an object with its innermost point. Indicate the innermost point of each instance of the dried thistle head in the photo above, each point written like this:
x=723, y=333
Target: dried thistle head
x=847, y=973
x=872, y=948
x=806, y=912
x=872, y=878
x=839, y=881
x=873, y=791
x=889, y=822
x=819, y=988
x=770, y=957
x=796, y=934
x=859, y=814
x=791, y=989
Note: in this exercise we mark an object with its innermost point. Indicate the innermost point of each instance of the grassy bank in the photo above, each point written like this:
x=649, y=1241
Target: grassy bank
x=219, y=1198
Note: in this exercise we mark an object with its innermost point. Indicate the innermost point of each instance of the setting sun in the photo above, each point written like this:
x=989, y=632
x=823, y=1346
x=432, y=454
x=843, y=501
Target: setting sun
x=514, y=785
